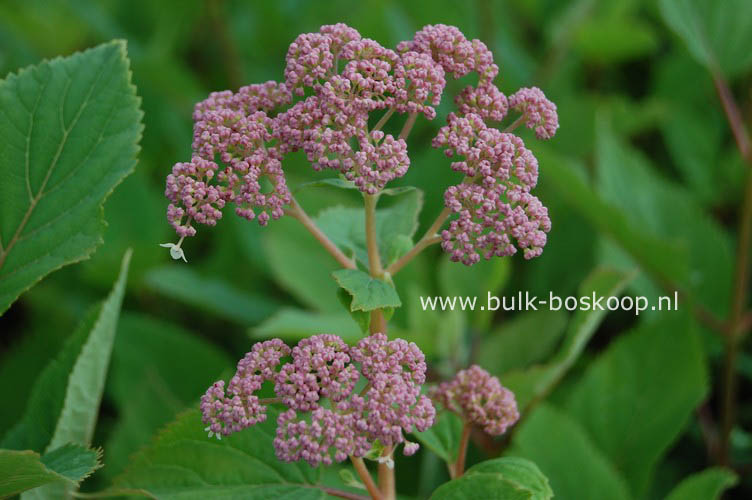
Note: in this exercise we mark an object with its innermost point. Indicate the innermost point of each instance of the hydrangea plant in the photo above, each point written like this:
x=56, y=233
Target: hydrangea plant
x=340, y=91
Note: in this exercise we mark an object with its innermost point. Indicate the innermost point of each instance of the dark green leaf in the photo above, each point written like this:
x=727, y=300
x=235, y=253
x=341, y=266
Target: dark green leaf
x=443, y=438
x=24, y=470
x=211, y=295
x=64, y=403
x=535, y=383
x=69, y=132
x=184, y=462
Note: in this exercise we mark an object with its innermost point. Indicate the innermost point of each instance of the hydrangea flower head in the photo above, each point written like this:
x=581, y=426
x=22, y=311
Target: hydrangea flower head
x=479, y=399
x=326, y=419
x=336, y=84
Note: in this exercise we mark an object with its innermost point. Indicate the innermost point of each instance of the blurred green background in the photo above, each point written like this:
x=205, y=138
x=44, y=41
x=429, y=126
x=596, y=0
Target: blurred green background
x=641, y=130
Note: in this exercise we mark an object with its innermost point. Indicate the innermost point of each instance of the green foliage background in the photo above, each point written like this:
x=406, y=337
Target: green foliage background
x=642, y=177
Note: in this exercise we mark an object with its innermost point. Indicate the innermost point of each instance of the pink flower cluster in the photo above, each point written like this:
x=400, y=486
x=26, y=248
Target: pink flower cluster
x=327, y=420
x=234, y=161
x=334, y=80
x=331, y=124
x=479, y=399
x=494, y=206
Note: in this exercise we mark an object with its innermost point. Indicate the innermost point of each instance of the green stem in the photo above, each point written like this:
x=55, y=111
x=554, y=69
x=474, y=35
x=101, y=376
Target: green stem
x=429, y=238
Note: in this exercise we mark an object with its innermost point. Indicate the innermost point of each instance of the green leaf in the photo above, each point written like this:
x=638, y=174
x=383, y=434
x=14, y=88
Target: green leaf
x=565, y=454
x=362, y=318
x=443, y=437
x=210, y=295
x=529, y=337
x=500, y=478
x=486, y=276
x=64, y=403
x=537, y=382
x=657, y=256
x=24, y=470
x=614, y=40
x=331, y=182
x=664, y=210
x=183, y=462
x=368, y=293
x=706, y=485
x=69, y=132
x=295, y=324
x=396, y=219
x=146, y=389
x=632, y=418
x=717, y=34
x=307, y=279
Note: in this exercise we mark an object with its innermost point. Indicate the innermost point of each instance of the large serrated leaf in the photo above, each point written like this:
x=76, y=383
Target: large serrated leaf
x=184, y=463
x=368, y=293
x=69, y=132
x=23, y=470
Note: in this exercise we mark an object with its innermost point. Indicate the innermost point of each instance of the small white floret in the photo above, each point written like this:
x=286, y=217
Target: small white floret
x=175, y=251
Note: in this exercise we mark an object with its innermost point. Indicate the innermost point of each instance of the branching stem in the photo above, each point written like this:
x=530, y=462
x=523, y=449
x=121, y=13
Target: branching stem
x=365, y=476
x=296, y=211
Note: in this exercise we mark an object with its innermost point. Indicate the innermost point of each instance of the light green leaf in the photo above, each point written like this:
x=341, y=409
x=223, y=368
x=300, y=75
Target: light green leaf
x=331, y=182
x=24, y=470
x=210, y=295
x=296, y=324
x=65, y=399
x=368, y=293
x=69, y=132
x=396, y=217
x=717, y=34
x=486, y=276
x=500, y=478
x=307, y=279
x=565, y=454
x=632, y=418
x=537, y=382
x=529, y=337
x=706, y=485
x=184, y=463
x=443, y=437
